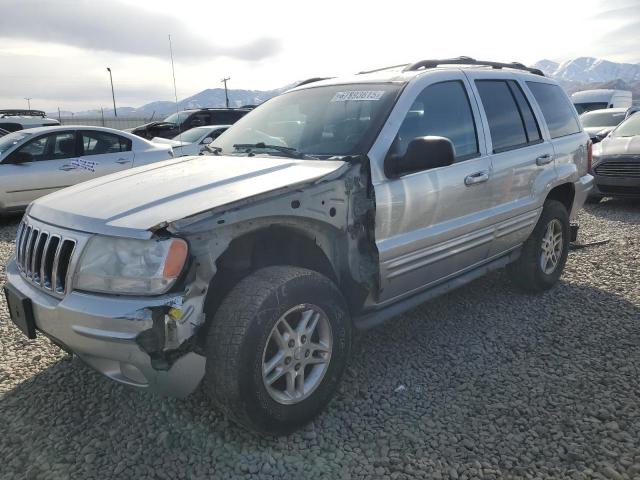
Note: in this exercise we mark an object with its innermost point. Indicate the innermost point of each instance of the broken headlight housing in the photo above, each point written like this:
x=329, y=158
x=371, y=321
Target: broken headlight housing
x=130, y=266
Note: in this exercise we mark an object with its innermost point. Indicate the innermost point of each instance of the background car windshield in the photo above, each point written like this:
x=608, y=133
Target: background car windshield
x=12, y=139
x=629, y=128
x=192, y=135
x=587, y=107
x=602, y=119
x=321, y=121
x=177, y=118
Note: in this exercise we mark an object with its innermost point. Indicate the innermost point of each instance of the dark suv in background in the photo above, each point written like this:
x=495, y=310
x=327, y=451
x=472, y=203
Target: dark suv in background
x=182, y=121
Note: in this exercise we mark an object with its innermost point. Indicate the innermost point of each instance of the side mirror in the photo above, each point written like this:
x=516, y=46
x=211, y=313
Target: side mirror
x=207, y=141
x=20, y=157
x=423, y=153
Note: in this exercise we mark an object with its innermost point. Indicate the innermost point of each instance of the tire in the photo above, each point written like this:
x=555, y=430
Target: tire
x=242, y=337
x=527, y=271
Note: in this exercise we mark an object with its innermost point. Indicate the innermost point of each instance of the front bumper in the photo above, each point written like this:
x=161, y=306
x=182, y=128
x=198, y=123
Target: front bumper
x=616, y=187
x=102, y=329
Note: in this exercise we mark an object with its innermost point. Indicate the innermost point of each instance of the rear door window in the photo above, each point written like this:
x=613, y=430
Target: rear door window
x=101, y=143
x=558, y=112
x=526, y=113
x=506, y=123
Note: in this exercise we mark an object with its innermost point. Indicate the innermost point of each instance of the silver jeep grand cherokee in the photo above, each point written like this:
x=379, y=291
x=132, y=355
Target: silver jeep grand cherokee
x=334, y=206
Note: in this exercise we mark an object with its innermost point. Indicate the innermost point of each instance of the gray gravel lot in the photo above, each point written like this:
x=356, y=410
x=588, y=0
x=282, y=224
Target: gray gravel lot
x=485, y=382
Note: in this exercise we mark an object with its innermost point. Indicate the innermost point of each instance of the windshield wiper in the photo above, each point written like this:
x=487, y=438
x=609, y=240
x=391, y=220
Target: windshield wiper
x=287, y=151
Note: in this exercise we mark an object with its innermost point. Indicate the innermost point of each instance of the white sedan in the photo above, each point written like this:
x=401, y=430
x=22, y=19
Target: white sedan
x=192, y=141
x=39, y=161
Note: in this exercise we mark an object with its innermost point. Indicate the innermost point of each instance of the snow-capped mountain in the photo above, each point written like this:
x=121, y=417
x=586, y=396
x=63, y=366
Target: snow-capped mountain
x=590, y=70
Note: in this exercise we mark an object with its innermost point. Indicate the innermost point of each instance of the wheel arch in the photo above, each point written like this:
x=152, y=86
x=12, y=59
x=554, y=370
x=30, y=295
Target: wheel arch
x=315, y=249
x=564, y=193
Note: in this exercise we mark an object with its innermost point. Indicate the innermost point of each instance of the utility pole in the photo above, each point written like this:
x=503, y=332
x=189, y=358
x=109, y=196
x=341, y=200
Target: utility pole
x=113, y=95
x=28, y=99
x=226, y=95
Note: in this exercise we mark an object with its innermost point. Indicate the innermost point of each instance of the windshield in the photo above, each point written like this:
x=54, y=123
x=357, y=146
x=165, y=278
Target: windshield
x=12, y=139
x=192, y=135
x=177, y=118
x=328, y=121
x=602, y=119
x=629, y=128
x=588, y=106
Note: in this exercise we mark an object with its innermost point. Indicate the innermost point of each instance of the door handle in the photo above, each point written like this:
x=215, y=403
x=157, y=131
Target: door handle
x=475, y=178
x=66, y=167
x=544, y=159
x=122, y=161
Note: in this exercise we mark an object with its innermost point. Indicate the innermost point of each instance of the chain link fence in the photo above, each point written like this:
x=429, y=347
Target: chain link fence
x=119, y=123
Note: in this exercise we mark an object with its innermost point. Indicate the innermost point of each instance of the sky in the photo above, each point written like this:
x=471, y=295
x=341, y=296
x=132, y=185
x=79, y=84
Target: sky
x=57, y=51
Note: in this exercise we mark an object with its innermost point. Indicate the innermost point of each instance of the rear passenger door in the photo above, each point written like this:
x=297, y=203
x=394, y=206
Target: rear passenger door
x=568, y=139
x=104, y=152
x=434, y=224
x=522, y=158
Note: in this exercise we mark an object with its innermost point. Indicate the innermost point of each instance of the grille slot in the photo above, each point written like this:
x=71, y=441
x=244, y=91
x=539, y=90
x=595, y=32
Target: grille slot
x=43, y=258
x=619, y=169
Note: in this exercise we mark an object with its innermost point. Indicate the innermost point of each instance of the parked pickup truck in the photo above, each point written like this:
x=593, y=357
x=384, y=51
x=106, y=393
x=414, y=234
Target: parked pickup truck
x=332, y=207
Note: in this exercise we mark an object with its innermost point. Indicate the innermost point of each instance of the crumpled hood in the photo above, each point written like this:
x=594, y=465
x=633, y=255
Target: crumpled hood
x=132, y=202
x=618, y=146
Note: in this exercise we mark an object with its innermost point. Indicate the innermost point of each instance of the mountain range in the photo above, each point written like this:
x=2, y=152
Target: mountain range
x=580, y=73
x=586, y=73
x=211, y=97
x=590, y=70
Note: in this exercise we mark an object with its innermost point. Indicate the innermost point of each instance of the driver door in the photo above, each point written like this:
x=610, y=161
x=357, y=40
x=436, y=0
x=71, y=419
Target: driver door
x=51, y=167
x=435, y=224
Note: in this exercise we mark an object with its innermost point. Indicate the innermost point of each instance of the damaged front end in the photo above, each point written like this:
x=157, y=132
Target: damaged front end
x=326, y=225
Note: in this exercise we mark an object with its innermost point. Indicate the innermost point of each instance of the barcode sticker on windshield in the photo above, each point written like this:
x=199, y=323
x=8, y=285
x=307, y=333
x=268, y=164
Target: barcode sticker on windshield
x=358, y=96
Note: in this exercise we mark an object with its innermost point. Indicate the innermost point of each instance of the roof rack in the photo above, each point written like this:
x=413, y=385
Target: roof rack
x=22, y=113
x=382, y=69
x=469, y=61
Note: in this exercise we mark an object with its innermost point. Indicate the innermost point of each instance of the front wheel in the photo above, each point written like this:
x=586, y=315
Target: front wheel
x=277, y=348
x=544, y=254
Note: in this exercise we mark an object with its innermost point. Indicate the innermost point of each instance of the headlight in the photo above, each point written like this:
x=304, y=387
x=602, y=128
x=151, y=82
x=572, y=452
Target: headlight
x=130, y=266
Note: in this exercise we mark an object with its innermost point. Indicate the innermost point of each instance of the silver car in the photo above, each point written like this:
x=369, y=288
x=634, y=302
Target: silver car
x=193, y=141
x=335, y=206
x=39, y=161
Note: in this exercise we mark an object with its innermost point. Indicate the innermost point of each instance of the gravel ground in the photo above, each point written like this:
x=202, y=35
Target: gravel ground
x=485, y=382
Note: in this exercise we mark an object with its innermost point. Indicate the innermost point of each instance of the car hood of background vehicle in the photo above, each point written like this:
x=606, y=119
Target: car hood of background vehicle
x=592, y=131
x=168, y=141
x=619, y=146
x=146, y=126
x=133, y=202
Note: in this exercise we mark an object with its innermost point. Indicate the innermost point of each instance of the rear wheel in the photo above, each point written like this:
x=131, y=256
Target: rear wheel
x=544, y=254
x=277, y=348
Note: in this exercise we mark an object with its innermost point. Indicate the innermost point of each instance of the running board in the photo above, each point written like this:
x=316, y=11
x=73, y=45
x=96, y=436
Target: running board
x=374, y=318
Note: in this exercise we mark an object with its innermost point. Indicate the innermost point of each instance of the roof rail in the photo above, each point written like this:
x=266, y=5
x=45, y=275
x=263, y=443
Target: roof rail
x=22, y=113
x=469, y=61
x=312, y=80
x=382, y=69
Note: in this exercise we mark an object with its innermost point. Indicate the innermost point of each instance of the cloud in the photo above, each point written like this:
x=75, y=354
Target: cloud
x=118, y=27
x=619, y=43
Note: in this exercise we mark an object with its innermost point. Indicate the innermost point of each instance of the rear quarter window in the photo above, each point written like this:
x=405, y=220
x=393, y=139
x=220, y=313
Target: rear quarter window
x=558, y=112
